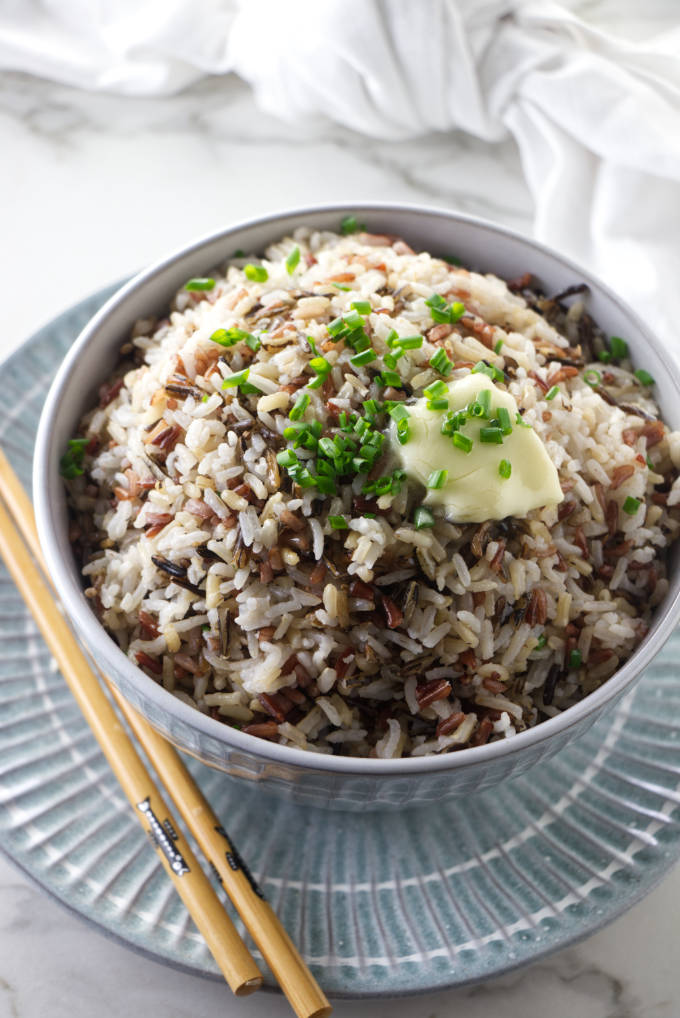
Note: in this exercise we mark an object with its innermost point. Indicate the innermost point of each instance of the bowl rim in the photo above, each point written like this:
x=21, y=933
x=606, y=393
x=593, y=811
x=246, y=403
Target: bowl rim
x=94, y=635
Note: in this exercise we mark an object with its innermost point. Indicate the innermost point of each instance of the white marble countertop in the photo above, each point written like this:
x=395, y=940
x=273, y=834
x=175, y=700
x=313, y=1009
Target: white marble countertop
x=94, y=187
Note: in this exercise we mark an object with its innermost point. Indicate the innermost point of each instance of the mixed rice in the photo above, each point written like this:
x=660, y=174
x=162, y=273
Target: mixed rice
x=309, y=600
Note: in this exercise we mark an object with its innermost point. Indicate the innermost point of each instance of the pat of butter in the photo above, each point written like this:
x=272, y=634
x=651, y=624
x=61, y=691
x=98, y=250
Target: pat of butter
x=474, y=490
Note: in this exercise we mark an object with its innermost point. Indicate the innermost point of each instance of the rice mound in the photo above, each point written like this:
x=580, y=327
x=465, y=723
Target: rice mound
x=223, y=579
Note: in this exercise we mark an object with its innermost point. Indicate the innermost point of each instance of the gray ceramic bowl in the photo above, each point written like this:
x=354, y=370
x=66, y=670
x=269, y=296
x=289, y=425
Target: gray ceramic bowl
x=321, y=780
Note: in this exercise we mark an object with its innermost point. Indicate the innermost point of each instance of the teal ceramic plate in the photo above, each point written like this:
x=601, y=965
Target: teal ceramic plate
x=378, y=904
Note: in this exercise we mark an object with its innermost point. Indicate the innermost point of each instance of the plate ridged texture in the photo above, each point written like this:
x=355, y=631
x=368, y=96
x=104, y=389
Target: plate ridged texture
x=378, y=903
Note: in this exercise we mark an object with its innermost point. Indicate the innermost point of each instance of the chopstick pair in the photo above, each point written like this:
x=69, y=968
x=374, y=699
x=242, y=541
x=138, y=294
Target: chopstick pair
x=231, y=954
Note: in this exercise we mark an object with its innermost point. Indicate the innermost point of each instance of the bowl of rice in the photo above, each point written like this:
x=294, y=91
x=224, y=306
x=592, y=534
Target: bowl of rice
x=373, y=505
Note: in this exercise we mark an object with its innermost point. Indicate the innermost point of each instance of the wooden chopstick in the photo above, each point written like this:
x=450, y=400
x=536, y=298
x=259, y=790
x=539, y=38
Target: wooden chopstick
x=226, y=946
x=278, y=950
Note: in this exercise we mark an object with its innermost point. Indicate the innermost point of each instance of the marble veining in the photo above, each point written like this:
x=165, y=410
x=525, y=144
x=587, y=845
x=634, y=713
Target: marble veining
x=94, y=186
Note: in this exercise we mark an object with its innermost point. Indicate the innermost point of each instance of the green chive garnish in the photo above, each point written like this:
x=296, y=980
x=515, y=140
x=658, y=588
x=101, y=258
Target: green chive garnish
x=341, y=286
x=492, y=436
x=256, y=273
x=604, y=356
x=71, y=463
x=409, y=342
x=286, y=458
x=520, y=420
x=503, y=416
x=542, y=640
x=575, y=659
x=200, y=283
x=423, y=518
x=403, y=431
x=238, y=379
x=644, y=377
x=441, y=363
x=365, y=357
x=461, y=441
x=301, y=404
x=618, y=347
x=484, y=400
x=435, y=390
x=482, y=368
x=350, y=225
x=551, y=393
x=592, y=377
x=362, y=307
x=437, y=479
x=238, y=253
x=505, y=469
x=391, y=378
x=338, y=522
x=631, y=505
x=229, y=337
x=442, y=312
x=293, y=260
x=498, y=347
x=398, y=412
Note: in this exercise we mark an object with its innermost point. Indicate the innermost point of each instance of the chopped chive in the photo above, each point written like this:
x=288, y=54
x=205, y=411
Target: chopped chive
x=249, y=390
x=301, y=404
x=390, y=359
x=461, y=441
x=238, y=253
x=391, y=378
x=475, y=409
x=423, y=518
x=575, y=659
x=319, y=364
x=200, y=283
x=618, y=347
x=644, y=377
x=229, y=337
x=505, y=469
x=650, y=465
x=365, y=357
x=452, y=259
x=437, y=388
x=604, y=356
x=441, y=403
x=398, y=412
x=256, y=273
x=484, y=400
x=551, y=393
x=71, y=463
x=409, y=342
x=441, y=363
x=442, y=312
x=520, y=420
x=341, y=286
x=205, y=397
x=504, y=422
x=286, y=458
x=592, y=377
x=498, y=347
x=541, y=642
x=482, y=368
x=437, y=479
x=492, y=436
x=238, y=379
x=371, y=407
x=363, y=307
x=350, y=225
x=631, y=505
x=293, y=260
x=403, y=431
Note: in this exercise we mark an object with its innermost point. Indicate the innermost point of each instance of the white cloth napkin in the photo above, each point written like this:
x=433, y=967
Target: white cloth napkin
x=590, y=90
